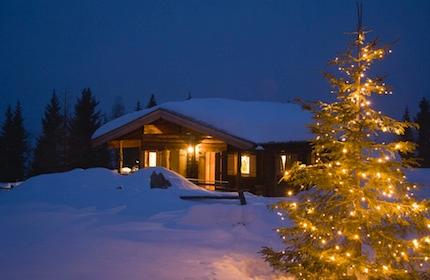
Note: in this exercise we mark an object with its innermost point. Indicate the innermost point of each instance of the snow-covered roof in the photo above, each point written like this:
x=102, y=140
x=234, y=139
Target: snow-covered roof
x=259, y=122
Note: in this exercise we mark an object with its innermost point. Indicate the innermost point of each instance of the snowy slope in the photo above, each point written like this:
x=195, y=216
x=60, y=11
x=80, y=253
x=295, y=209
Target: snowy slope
x=79, y=225
x=255, y=121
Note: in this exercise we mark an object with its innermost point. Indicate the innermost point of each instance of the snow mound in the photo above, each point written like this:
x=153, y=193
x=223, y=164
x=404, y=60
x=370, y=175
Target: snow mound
x=97, y=224
x=104, y=189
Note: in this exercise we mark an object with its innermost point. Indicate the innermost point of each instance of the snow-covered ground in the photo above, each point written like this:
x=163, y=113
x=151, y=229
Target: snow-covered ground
x=80, y=225
x=96, y=224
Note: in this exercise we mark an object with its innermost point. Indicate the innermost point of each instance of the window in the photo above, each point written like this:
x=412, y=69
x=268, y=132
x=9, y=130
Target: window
x=245, y=165
x=286, y=161
x=152, y=161
x=248, y=165
x=283, y=162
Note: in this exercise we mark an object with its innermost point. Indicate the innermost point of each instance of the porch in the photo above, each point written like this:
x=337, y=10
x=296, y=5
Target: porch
x=196, y=156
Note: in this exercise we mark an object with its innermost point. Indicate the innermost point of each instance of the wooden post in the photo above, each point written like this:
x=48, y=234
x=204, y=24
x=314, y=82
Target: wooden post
x=239, y=165
x=141, y=151
x=121, y=157
x=242, y=198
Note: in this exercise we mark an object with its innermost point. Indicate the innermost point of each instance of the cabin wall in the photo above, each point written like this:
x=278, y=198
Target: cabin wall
x=211, y=160
x=275, y=186
x=268, y=170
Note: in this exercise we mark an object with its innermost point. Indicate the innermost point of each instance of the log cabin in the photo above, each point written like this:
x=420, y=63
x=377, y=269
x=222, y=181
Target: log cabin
x=222, y=143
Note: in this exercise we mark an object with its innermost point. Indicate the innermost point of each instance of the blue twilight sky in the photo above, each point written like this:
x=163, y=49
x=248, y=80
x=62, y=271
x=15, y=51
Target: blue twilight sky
x=250, y=49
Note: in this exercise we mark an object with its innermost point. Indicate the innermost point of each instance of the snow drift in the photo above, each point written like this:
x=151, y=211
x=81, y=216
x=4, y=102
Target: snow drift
x=97, y=224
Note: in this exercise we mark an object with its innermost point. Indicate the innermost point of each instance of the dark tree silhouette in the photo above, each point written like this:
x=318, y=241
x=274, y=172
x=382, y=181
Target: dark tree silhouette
x=49, y=151
x=189, y=96
x=84, y=123
x=423, y=141
x=118, y=108
x=5, y=145
x=408, y=135
x=138, y=106
x=152, y=102
x=13, y=145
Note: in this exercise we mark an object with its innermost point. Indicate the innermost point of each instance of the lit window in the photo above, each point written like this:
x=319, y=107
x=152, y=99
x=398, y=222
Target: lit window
x=283, y=162
x=152, y=159
x=245, y=167
x=287, y=161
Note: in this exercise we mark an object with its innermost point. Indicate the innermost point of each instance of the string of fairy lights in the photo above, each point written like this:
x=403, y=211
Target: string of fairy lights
x=357, y=222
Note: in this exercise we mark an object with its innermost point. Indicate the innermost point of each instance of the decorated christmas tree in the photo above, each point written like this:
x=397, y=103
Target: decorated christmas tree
x=357, y=216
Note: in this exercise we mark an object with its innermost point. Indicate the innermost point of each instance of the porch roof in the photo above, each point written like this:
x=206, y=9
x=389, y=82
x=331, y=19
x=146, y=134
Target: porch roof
x=255, y=122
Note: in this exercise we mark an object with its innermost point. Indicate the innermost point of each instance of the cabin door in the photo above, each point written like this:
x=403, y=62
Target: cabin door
x=207, y=167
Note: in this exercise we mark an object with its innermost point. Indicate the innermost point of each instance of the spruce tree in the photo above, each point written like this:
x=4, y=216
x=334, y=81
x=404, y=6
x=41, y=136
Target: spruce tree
x=407, y=136
x=49, y=151
x=66, y=115
x=118, y=108
x=152, y=102
x=6, y=141
x=423, y=141
x=14, y=145
x=359, y=218
x=138, y=107
x=85, y=121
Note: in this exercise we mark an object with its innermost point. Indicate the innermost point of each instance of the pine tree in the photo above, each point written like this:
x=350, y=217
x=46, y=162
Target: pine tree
x=6, y=141
x=84, y=123
x=14, y=145
x=49, y=151
x=189, y=96
x=423, y=121
x=408, y=135
x=118, y=108
x=359, y=218
x=152, y=102
x=65, y=131
x=138, y=107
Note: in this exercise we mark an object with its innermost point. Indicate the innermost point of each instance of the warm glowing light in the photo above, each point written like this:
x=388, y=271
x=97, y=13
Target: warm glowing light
x=416, y=244
x=152, y=160
x=366, y=270
x=385, y=267
x=190, y=149
x=245, y=166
